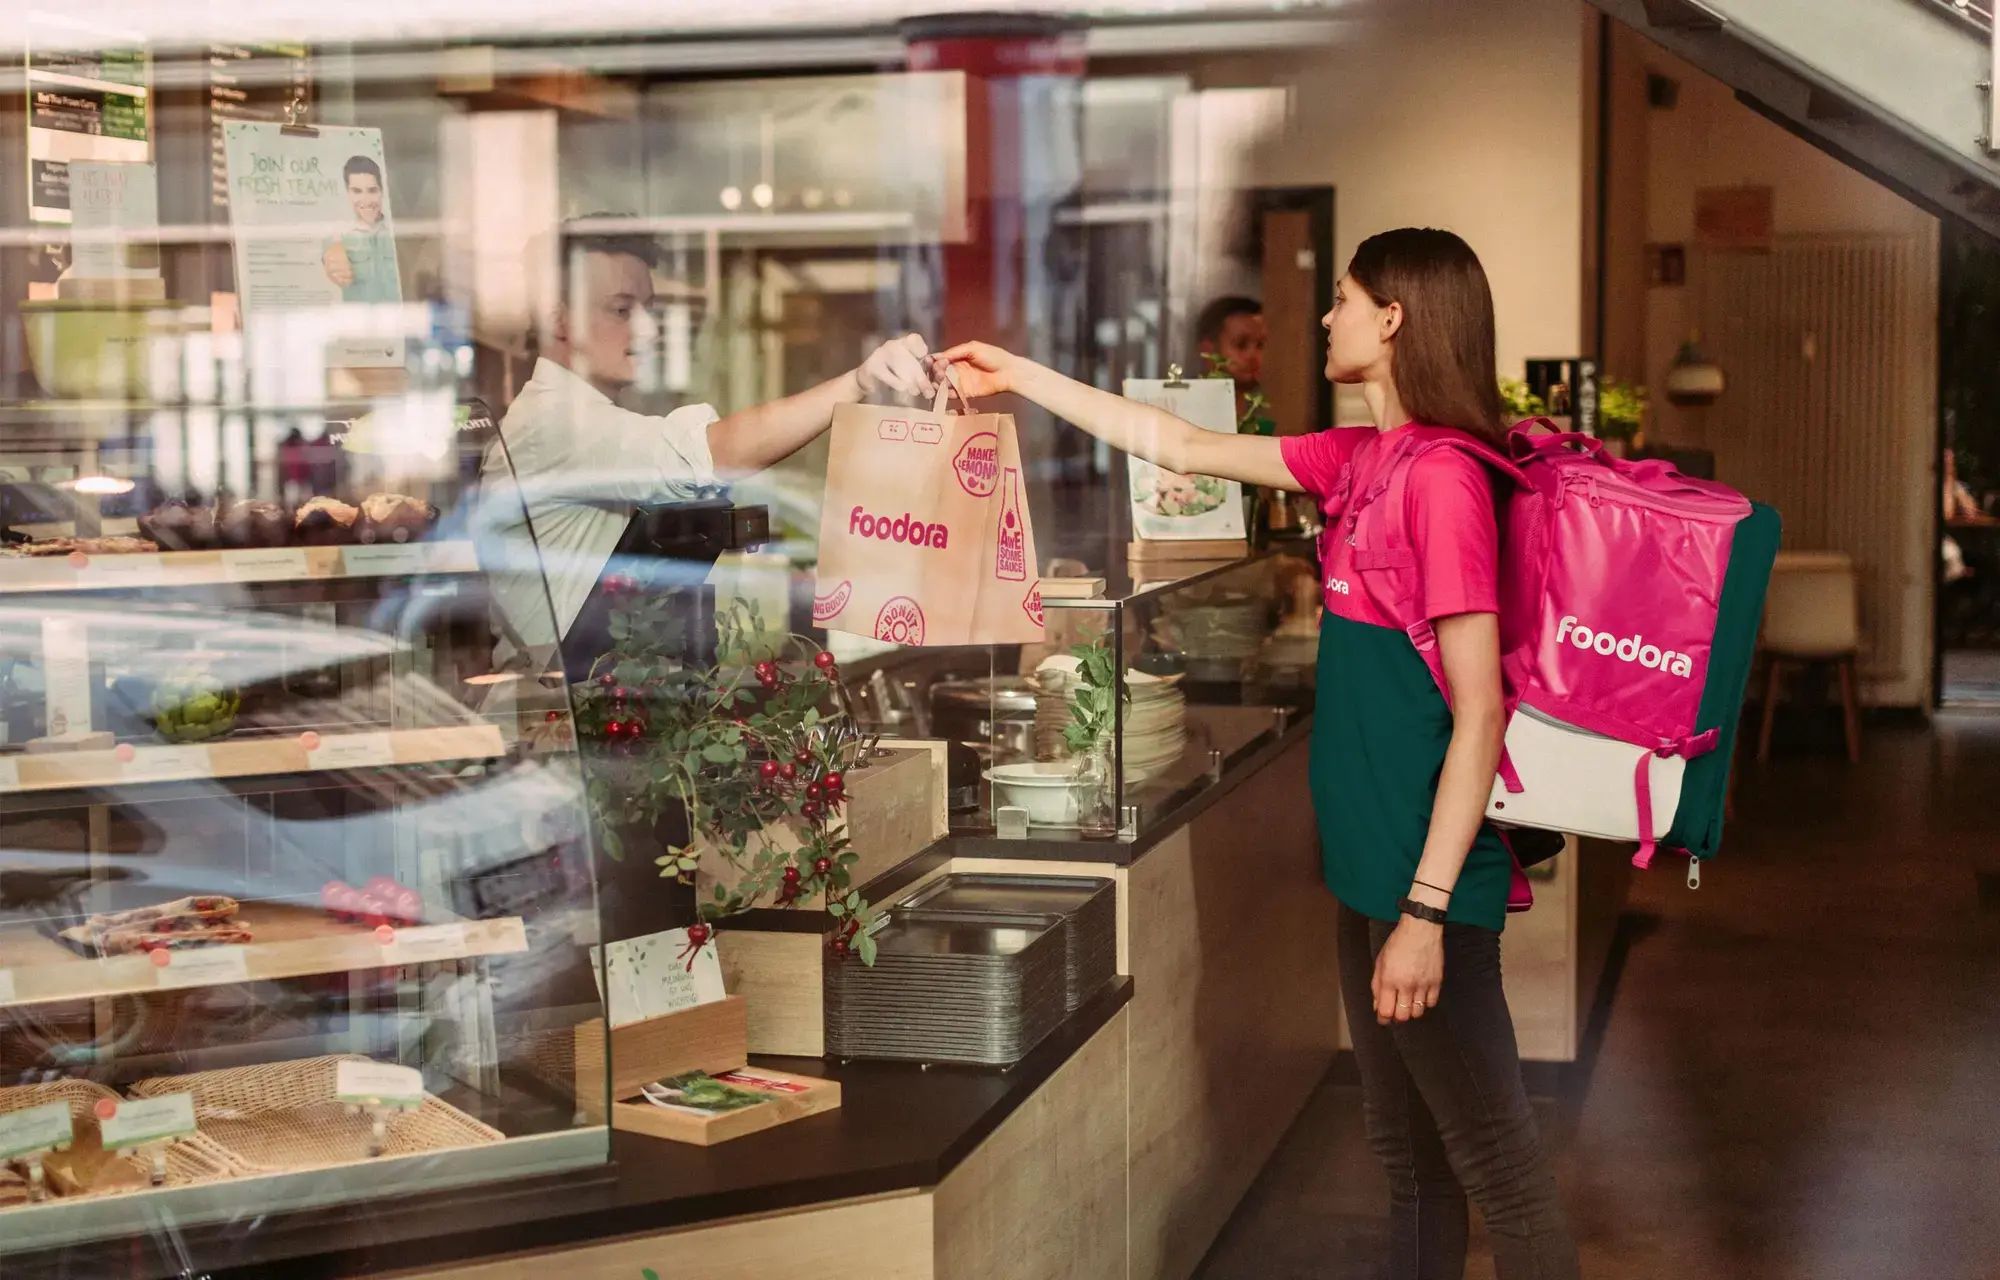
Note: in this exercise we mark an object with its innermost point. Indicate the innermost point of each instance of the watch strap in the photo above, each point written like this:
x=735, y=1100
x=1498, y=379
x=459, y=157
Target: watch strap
x=1422, y=911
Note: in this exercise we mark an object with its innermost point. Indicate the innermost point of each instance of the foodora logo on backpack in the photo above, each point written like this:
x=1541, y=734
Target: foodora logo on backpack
x=1624, y=648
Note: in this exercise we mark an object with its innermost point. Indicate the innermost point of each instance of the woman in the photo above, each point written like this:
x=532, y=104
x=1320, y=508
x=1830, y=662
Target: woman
x=1399, y=778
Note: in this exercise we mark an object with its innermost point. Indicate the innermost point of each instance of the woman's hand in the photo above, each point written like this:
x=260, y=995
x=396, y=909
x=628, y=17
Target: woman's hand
x=980, y=368
x=898, y=368
x=1409, y=971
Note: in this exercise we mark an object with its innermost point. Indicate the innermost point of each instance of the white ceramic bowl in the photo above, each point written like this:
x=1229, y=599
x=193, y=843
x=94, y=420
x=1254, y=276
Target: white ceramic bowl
x=1049, y=790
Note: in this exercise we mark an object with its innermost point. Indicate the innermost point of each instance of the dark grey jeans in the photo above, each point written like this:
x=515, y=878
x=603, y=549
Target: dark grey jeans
x=1448, y=1115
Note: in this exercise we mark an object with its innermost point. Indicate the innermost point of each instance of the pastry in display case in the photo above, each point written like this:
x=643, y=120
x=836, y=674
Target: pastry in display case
x=296, y=894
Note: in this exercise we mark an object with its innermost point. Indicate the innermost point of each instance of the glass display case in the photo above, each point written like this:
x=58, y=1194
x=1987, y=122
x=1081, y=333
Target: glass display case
x=1217, y=662
x=296, y=894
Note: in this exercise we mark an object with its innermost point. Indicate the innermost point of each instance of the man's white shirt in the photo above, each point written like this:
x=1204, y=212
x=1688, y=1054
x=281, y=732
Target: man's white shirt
x=582, y=463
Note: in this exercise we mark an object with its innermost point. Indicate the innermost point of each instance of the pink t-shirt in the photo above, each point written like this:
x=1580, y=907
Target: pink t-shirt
x=1453, y=527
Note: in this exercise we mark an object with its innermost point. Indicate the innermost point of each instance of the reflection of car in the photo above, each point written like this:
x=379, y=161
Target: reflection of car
x=477, y=834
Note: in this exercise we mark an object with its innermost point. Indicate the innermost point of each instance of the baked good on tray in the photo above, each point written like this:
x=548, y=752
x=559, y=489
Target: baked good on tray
x=394, y=517
x=253, y=524
x=86, y=1168
x=204, y=920
x=13, y=1189
x=176, y=526
x=325, y=522
x=90, y=546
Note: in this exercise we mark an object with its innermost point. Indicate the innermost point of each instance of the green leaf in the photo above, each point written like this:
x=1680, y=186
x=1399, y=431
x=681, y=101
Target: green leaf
x=835, y=910
x=718, y=753
x=866, y=946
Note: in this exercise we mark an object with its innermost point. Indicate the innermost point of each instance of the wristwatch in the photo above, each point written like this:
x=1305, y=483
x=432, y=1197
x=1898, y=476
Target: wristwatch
x=1429, y=914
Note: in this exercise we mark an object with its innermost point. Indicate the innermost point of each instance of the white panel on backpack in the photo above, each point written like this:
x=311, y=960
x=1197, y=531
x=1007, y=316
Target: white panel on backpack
x=1581, y=782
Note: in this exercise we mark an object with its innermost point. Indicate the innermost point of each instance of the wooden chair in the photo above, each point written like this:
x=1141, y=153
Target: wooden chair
x=1812, y=615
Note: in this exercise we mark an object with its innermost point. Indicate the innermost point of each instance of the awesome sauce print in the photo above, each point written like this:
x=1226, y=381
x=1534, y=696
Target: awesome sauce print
x=1010, y=555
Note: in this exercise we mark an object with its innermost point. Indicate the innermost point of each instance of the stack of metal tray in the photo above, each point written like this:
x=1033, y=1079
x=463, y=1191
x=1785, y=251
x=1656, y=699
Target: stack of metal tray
x=950, y=986
x=1088, y=905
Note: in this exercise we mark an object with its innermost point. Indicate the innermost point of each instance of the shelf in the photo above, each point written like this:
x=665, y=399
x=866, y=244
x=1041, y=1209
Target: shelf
x=289, y=942
x=128, y=765
x=151, y=570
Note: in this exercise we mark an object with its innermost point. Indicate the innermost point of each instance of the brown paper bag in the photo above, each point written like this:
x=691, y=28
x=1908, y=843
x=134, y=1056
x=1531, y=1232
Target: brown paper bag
x=925, y=537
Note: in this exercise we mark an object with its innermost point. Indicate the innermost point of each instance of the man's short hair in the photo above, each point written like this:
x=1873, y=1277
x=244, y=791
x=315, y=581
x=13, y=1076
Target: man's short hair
x=1208, y=325
x=361, y=164
x=574, y=244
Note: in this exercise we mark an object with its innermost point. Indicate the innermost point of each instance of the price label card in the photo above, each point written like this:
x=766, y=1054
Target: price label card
x=383, y=559
x=7, y=993
x=165, y=764
x=425, y=943
x=205, y=967
x=278, y=564
x=139, y=1121
x=119, y=571
x=381, y=1084
x=665, y=973
x=352, y=751
x=10, y=774
x=32, y=1129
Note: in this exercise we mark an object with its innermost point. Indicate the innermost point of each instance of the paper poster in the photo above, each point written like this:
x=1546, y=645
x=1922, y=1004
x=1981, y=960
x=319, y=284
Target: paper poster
x=115, y=213
x=1167, y=505
x=315, y=236
x=83, y=104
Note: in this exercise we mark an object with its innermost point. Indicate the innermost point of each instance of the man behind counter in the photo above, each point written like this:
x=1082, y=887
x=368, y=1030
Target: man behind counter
x=1231, y=330
x=583, y=462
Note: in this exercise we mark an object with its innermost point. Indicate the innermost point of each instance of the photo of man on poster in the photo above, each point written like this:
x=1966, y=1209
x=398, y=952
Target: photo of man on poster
x=362, y=259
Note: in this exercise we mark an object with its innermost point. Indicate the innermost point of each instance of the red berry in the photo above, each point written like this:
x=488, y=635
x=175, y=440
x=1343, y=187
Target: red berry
x=788, y=770
x=791, y=875
x=553, y=716
x=823, y=660
x=821, y=866
x=853, y=926
x=615, y=729
x=635, y=728
x=804, y=756
x=697, y=934
x=840, y=947
x=834, y=781
x=768, y=770
x=607, y=680
x=810, y=809
x=814, y=790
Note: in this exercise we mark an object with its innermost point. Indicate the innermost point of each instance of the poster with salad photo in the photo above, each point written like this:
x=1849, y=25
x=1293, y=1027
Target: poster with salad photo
x=1167, y=504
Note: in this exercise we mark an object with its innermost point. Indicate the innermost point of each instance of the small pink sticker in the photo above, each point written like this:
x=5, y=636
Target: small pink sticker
x=893, y=429
x=125, y=753
x=831, y=605
x=78, y=560
x=901, y=621
x=977, y=465
x=309, y=740
x=384, y=934
x=161, y=957
x=105, y=1108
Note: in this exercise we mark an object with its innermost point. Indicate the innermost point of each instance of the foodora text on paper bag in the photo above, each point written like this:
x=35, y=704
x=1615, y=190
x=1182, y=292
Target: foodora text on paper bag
x=925, y=537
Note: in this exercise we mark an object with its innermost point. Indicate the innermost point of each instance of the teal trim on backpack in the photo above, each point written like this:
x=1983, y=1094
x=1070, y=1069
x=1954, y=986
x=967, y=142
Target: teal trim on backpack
x=1739, y=617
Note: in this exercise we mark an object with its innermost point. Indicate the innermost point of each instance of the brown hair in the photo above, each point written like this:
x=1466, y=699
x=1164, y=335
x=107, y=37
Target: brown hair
x=1444, y=362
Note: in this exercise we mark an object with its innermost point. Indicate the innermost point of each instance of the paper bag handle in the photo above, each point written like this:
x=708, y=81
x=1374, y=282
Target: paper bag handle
x=946, y=389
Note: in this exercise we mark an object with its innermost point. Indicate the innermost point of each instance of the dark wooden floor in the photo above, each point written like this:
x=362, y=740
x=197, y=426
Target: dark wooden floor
x=1799, y=1076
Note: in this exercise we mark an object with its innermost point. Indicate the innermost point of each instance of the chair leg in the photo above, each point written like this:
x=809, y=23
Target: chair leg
x=1775, y=668
x=1850, y=710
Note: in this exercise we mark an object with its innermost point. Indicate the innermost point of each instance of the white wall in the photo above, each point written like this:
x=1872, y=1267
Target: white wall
x=1463, y=114
x=1709, y=139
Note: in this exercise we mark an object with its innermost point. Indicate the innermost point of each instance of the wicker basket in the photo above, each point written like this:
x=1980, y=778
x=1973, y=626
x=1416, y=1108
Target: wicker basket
x=283, y=1115
x=191, y=1159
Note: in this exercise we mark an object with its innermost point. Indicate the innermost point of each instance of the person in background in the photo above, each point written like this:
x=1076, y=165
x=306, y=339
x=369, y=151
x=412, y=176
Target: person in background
x=1399, y=775
x=583, y=462
x=362, y=259
x=1230, y=334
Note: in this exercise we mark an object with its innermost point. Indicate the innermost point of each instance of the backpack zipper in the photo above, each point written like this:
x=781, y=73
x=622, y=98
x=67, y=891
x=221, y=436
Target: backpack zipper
x=1634, y=496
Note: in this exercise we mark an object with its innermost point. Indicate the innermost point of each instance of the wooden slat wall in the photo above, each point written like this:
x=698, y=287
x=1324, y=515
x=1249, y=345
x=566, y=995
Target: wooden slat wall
x=1829, y=344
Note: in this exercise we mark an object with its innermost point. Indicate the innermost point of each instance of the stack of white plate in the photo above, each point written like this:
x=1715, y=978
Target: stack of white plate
x=1155, y=719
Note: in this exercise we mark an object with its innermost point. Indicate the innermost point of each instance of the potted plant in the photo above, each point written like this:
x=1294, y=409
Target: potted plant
x=753, y=753
x=1621, y=412
x=1518, y=402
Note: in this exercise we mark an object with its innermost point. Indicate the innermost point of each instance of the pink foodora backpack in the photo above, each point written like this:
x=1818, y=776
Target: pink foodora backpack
x=1612, y=582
